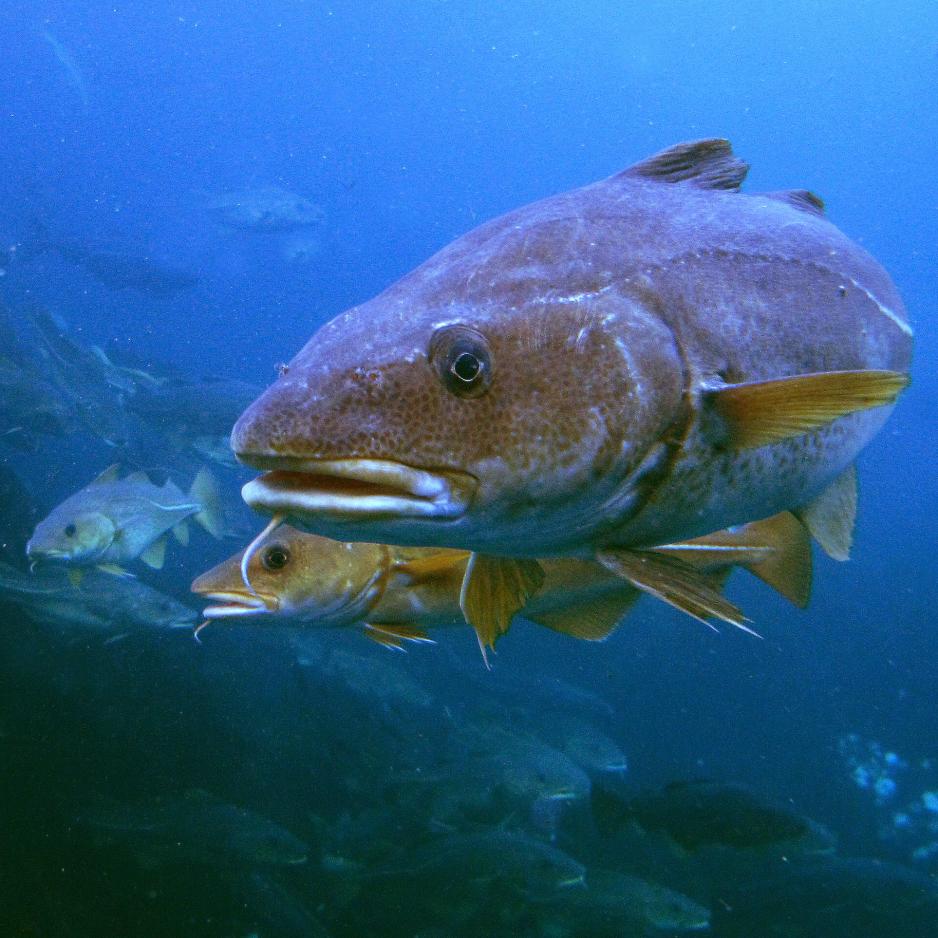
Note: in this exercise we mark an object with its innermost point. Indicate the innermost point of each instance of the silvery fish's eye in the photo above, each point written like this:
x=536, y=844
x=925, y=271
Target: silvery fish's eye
x=70, y=530
x=462, y=359
x=276, y=557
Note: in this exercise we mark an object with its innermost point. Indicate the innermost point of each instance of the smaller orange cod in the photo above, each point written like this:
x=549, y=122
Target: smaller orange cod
x=287, y=577
x=637, y=362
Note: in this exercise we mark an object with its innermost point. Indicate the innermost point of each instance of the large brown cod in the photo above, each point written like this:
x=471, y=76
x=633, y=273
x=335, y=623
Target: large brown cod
x=637, y=362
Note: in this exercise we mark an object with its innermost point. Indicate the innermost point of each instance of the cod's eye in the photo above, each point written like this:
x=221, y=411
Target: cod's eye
x=462, y=359
x=276, y=557
x=70, y=530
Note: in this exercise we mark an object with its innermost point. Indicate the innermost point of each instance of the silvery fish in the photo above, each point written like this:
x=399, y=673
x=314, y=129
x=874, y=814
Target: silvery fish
x=640, y=361
x=113, y=520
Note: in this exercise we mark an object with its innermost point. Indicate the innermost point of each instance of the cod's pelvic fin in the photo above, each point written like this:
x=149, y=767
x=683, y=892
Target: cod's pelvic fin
x=674, y=582
x=762, y=412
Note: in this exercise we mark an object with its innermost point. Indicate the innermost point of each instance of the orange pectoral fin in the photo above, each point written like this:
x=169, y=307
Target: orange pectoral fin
x=762, y=412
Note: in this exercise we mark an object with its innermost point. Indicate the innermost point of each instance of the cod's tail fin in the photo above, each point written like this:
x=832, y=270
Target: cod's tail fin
x=205, y=491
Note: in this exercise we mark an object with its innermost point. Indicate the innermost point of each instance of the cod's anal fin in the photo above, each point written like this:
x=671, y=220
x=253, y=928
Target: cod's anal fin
x=593, y=620
x=762, y=412
x=155, y=555
x=493, y=590
x=776, y=549
x=674, y=582
x=830, y=516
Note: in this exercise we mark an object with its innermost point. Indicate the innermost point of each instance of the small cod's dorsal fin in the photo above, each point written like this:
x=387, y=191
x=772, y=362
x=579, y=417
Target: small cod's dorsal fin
x=706, y=164
x=801, y=199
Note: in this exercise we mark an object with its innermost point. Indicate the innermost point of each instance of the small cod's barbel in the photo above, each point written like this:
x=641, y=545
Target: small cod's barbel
x=636, y=362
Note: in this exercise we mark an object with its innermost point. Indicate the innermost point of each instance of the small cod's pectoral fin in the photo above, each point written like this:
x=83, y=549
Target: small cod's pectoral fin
x=75, y=576
x=431, y=567
x=776, y=549
x=155, y=555
x=674, y=582
x=211, y=515
x=493, y=590
x=593, y=620
x=762, y=412
x=830, y=516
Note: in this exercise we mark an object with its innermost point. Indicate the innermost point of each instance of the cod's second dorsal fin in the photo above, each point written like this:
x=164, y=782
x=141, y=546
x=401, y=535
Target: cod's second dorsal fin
x=801, y=199
x=706, y=164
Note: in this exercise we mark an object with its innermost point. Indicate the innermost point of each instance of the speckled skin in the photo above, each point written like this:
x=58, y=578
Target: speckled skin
x=608, y=310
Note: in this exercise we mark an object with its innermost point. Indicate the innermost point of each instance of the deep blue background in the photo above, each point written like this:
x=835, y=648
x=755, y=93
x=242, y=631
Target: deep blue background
x=410, y=123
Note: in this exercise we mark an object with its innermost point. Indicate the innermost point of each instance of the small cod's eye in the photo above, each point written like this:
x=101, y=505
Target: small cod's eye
x=276, y=557
x=70, y=530
x=462, y=359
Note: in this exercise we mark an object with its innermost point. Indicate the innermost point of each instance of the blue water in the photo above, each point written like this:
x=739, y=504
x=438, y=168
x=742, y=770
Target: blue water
x=409, y=124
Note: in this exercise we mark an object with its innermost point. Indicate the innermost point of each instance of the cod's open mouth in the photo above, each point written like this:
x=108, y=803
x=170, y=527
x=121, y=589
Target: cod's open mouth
x=227, y=604
x=356, y=489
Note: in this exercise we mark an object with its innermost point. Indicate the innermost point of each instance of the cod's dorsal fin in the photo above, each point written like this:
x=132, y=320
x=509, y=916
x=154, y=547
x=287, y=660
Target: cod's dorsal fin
x=593, y=620
x=493, y=590
x=831, y=515
x=706, y=164
x=111, y=474
x=139, y=477
x=801, y=199
x=761, y=412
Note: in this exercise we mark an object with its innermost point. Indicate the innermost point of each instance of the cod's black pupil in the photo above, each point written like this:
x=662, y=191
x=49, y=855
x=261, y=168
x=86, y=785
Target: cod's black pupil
x=70, y=530
x=467, y=367
x=276, y=558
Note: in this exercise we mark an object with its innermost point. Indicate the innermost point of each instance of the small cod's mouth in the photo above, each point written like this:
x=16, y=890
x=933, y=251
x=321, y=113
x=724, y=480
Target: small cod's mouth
x=226, y=604
x=356, y=489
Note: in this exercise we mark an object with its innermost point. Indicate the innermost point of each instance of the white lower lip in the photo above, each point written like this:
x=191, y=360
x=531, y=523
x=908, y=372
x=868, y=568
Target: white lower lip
x=420, y=494
x=233, y=605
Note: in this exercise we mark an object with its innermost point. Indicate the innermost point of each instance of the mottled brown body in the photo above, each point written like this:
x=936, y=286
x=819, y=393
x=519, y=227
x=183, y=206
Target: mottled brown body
x=609, y=313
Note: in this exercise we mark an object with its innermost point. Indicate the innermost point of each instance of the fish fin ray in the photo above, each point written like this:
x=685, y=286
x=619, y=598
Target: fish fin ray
x=762, y=412
x=493, y=590
x=155, y=555
x=830, y=517
x=379, y=637
x=592, y=621
x=706, y=164
x=674, y=582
